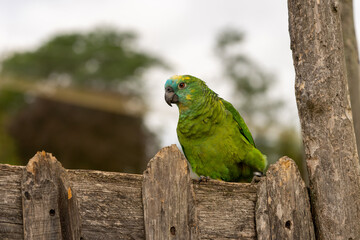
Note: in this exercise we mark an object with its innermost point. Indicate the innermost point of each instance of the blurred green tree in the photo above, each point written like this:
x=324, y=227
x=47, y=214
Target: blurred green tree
x=10, y=103
x=251, y=84
x=252, y=97
x=100, y=59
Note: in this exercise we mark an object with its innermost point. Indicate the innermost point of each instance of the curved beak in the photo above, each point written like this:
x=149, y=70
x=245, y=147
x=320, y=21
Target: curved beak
x=170, y=96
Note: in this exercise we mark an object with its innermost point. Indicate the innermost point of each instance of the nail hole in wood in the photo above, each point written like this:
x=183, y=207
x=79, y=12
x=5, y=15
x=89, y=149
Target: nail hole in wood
x=52, y=212
x=288, y=224
x=27, y=195
x=172, y=230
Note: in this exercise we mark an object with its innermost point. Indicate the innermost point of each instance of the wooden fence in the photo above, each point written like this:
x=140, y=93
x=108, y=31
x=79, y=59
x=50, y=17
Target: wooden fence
x=45, y=201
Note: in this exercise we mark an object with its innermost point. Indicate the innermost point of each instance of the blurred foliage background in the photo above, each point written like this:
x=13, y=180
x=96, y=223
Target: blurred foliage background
x=253, y=98
x=80, y=96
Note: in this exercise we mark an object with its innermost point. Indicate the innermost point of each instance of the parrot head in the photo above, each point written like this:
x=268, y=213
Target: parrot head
x=183, y=90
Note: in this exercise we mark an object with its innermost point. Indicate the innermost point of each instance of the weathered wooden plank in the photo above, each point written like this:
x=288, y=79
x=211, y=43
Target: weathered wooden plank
x=110, y=204
x=11, y=223
x=283, y=205
x=48, y=202
x=168, y=197
x=262, y=217
x=225, y=210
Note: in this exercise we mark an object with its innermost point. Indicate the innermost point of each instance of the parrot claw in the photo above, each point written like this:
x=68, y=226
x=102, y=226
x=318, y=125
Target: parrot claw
x=258, y=174
x=257, y=177
x=203, y=178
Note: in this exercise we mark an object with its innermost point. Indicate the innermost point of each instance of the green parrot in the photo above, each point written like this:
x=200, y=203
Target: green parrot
x=214, y=137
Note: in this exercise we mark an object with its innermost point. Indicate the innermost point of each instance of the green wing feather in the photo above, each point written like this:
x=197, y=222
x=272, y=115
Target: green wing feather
x=240, y=121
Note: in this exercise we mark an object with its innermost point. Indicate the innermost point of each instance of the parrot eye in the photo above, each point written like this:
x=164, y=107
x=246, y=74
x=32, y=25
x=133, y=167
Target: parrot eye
x=182, y=85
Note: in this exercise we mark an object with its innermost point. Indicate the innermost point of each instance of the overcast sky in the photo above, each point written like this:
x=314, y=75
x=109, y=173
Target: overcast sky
x=181, y=32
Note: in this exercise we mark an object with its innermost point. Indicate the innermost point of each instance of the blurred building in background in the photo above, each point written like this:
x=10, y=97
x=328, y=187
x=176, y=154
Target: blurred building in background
x=80, y=136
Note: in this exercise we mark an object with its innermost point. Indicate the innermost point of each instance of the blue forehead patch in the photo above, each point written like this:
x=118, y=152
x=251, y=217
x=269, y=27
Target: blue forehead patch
x=170, y=82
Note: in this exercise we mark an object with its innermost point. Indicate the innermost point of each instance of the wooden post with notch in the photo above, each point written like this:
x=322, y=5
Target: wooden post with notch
x=49, y=203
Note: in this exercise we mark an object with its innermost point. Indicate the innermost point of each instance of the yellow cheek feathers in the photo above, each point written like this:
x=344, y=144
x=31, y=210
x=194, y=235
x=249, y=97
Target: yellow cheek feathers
x=182, y=107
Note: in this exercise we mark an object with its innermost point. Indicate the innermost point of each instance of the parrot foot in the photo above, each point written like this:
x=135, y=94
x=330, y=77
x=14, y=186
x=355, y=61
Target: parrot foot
x=203, y=178
x=257, y=177
x=258, y=174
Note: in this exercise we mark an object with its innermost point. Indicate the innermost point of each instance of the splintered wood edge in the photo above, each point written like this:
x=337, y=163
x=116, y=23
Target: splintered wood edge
x=37, y=158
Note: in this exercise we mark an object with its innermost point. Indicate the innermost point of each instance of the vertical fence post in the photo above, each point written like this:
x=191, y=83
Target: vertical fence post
x=49, y=203
x=168, y=197
x=283, y=205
